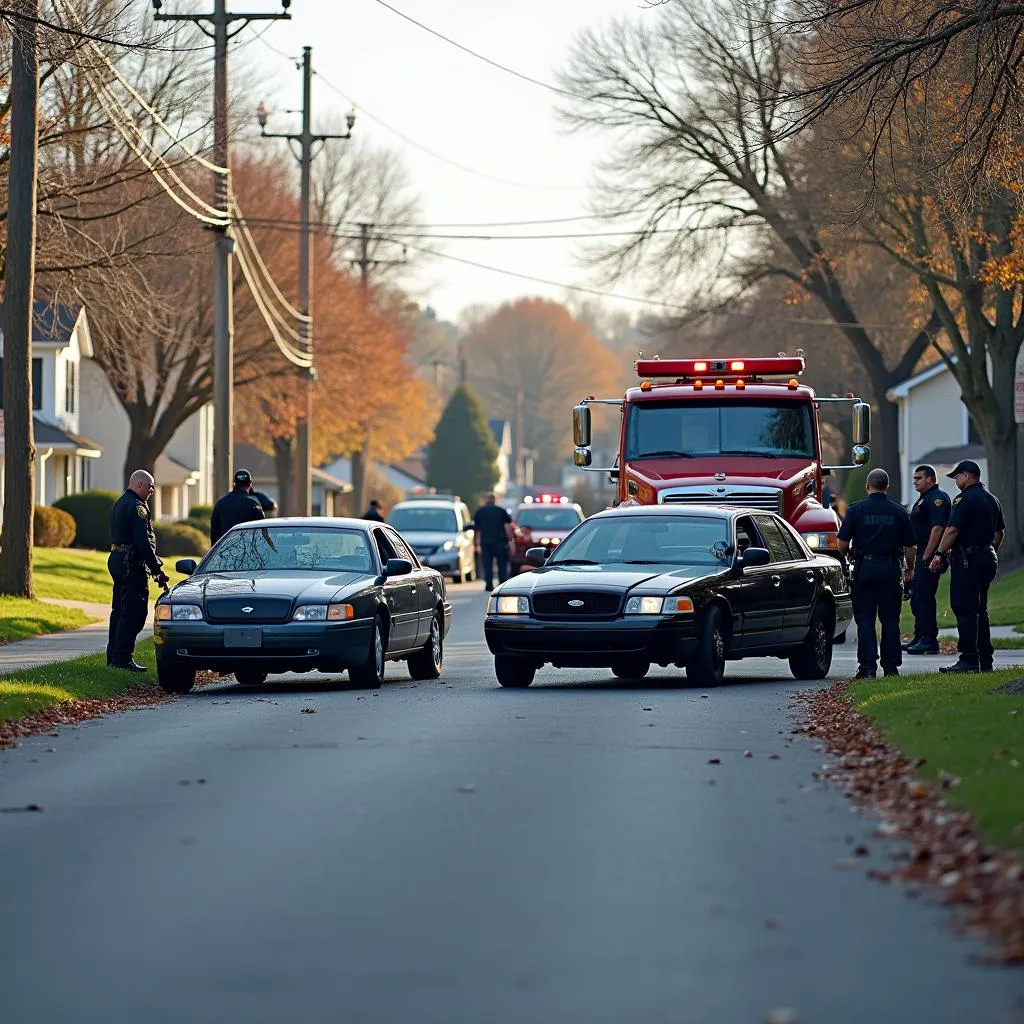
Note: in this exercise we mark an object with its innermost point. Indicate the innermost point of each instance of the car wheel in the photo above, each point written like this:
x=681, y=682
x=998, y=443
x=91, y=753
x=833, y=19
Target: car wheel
x=427, y=662
x=813, y=659
x=635, y=668
x=513, y=671
x=250, y=677
x=175, y=678
x=369, y=674
x=707, y=666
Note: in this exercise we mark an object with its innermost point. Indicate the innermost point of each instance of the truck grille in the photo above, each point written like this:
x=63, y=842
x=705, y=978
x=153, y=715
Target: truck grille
x=768, y=499
x=554, y=604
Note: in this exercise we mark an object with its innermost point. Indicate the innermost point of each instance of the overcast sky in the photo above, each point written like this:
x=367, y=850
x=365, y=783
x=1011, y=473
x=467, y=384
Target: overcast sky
x=461, y=109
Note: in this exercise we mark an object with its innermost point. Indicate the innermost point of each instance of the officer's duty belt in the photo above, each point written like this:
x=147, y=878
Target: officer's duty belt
x=977, y=547
x=879, y=558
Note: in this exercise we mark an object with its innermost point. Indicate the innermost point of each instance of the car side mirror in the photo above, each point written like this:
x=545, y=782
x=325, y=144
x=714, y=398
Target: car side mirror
x=536, y=557
x=186, y=566
x=398, y=567
x=752, y=557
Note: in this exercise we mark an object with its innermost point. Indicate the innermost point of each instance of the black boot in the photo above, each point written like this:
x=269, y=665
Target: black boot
x=923, y=646
x=866, y=672
x=960, y=666
x=129, y=666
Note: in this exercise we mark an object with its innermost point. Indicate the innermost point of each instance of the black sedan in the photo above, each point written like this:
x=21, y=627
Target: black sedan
x=692, y=587
x=301, y=595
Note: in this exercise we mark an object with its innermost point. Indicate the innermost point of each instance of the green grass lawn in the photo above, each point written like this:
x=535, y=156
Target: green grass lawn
x=30, y=690
x=957, y=726
x=21, y=618
x=80, y=575
x=1005, y=604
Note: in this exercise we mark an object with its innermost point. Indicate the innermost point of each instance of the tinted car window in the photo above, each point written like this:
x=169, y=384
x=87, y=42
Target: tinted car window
x=384, y=546
x=792, y=538
x=312, y=548
x=773, y=537
x=654, y=540
x=439, y=519
x=401, y=549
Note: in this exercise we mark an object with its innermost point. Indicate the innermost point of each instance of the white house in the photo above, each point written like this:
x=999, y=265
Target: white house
x=501, y=431
x=65, y=460
x=183, y=471
x=934, y=426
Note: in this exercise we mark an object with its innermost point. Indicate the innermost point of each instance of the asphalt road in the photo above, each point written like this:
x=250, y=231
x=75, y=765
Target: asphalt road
x=455, y=852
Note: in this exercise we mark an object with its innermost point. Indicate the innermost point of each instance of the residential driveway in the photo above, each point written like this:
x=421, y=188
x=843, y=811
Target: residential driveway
x=449, y=852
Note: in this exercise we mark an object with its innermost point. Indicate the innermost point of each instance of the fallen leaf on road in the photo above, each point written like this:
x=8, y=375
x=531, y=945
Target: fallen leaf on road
x=714, y=760
x=647, y=709
x=860, y=850
x=773, y=757
x=747, y=753
x=308, y=711
x=705, y=696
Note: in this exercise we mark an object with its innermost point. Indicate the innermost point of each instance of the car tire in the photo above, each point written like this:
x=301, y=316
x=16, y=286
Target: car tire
x=813, y=658
x=175, y=678
x=513, y=671
x=428, y=662
x=707, y=666
x=369, y=673
x=250, y=677
x=634, y=668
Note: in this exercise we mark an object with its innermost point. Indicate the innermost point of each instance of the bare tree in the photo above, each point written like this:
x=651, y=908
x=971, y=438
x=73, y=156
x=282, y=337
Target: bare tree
x=695, y=103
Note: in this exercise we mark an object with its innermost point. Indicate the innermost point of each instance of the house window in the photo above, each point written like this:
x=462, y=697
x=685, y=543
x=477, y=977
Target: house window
x=70, y=382
x=37, y=383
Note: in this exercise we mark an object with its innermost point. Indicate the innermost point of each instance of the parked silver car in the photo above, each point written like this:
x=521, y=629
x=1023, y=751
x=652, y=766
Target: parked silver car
x=440, y=531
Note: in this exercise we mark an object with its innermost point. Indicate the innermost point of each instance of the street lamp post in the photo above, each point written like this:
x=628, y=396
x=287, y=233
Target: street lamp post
x=306, y=139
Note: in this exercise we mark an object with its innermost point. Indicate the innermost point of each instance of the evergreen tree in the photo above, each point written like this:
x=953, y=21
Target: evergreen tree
x=462, y=458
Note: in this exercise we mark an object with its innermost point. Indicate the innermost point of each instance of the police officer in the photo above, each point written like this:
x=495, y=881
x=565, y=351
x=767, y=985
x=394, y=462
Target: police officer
x=373, y=512
x=880, y=533
x=968, y=546
x=132, y=555
x=493, y=532
x=237, y=506
x=928, y=518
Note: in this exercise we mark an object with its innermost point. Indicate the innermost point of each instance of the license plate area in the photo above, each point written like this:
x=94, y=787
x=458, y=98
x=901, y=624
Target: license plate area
x=243, y=636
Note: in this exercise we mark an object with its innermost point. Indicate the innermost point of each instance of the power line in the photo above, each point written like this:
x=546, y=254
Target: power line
x=479, y=56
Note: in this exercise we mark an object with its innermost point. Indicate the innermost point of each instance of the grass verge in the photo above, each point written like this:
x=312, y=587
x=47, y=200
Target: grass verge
x=960, y=729
x=78, y=575
x=35, y=689
x=21, y=618
x=1005, y=604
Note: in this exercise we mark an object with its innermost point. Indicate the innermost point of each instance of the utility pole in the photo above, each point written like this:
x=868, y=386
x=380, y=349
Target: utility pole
x=19, y=444
x=220, y=22
x=361, y=458
x=306, y=139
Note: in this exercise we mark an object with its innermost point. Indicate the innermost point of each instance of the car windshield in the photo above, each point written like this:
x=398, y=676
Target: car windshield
x=314, y=549
x=563, y=517
x=434, y=520
x=696, y=428
x=648, y=540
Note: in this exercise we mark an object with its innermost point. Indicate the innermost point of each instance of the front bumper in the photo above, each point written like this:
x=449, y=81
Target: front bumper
x=288, y=647
x=566, y=644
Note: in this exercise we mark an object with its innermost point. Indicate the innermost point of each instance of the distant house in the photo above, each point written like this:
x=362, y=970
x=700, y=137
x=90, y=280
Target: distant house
x=327, y=489
x=934, y=425
x=501, y=431
x=64, y=458
x=401, y=475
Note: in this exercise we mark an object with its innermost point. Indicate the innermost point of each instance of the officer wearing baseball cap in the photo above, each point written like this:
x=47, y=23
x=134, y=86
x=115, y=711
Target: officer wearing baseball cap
x=238, y=506
x=968, y=546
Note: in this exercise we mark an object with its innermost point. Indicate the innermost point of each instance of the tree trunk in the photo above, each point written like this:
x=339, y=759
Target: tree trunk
x=287, y=467
x=885, y=449
x=360, y=463
x=142, y=453
x=19, y=444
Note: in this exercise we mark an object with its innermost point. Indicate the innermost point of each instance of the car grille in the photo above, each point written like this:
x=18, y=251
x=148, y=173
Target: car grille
x=554, y=604
x=265, y=610
x=768, y=499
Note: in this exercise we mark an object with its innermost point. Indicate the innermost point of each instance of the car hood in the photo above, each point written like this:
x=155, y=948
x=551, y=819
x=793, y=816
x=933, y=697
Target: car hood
x=654, y=579
x=732, y=470
x=312, y=587
x=427, y=538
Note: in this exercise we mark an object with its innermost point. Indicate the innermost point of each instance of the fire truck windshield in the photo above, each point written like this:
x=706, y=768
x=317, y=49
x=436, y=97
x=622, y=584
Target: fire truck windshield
x=700, y=427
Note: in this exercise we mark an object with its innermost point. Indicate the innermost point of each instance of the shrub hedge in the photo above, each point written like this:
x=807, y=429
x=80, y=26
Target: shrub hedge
x=52, y=527
x=91, y=513
x=179, y=539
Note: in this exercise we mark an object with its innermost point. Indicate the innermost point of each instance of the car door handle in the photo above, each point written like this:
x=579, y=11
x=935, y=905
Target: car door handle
x=776, y=581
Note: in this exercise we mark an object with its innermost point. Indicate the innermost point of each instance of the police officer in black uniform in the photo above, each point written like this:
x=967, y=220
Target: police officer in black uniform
x=968, y=546
x=493, y=532
x=374, y=513
x=928, y=518
x=237, y=506
x=881, y=534
x=132, y=557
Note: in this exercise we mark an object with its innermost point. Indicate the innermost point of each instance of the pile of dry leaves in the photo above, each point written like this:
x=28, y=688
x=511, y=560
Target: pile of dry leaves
x=946, y=859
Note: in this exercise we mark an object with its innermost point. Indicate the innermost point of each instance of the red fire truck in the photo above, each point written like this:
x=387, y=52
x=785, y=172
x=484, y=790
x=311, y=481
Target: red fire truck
x=725, y=431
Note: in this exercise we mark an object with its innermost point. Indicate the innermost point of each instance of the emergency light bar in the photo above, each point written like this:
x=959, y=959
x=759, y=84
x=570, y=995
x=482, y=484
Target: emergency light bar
x=546, y=499
x=773, y=366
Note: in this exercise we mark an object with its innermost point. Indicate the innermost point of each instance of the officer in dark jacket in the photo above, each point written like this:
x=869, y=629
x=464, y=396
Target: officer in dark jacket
x=493, y=533
x=237, y=506
x=968, y=546
x=928, y=518
x=373, y=512
x=881, y=535
x=132, y=557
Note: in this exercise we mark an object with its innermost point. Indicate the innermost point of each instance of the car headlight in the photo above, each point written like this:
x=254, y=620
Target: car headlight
x=821, y=541
x=448, y=545
x=658, y=605
x=323, y=613
x=508, y=604
x=178, y=612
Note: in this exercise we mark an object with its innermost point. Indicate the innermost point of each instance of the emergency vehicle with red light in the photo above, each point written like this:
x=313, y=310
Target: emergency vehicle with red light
x=738, y=431
x=542, y=521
